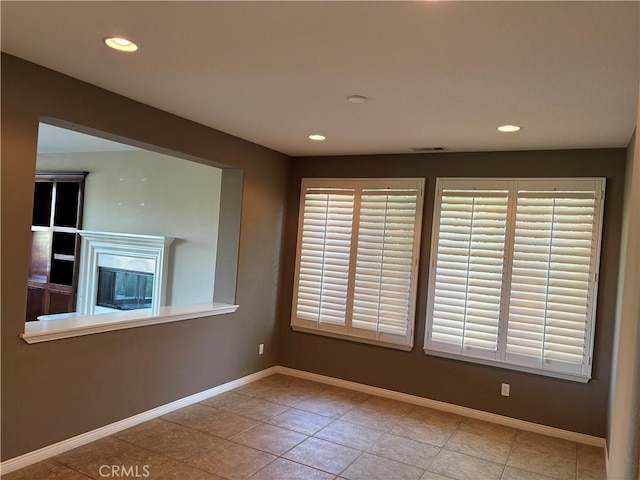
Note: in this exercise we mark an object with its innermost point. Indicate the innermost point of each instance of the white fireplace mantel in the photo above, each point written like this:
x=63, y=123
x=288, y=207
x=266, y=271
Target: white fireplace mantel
x=146, y=253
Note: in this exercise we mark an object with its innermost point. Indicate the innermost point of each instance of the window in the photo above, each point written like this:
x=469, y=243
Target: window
x=514, y=268
x=357, y=259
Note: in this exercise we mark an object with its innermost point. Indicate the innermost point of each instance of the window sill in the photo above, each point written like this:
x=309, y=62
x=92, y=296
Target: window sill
x=73, y=325
x=510, y=366
x=353, y=338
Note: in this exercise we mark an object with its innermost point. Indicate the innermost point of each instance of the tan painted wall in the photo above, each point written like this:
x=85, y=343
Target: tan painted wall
x=560, y=403
x=54, y=390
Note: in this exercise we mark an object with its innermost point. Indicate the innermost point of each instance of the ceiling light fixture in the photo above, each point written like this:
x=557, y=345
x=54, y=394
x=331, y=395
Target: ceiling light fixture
x=317, y=137
x=509, y=128
x=121, y=43
x=357, y=98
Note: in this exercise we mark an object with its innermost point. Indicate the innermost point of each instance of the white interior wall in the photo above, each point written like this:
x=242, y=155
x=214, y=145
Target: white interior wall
x=148, y=193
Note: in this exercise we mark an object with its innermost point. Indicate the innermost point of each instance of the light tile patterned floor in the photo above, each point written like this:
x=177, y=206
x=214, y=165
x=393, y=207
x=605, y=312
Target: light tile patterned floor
x=281, y=427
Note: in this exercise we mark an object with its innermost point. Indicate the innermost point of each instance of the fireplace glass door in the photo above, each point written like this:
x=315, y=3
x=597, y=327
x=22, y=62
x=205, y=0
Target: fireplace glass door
x=124, y=289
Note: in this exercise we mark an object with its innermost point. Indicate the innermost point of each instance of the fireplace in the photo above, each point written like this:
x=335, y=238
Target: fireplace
x=122, y=272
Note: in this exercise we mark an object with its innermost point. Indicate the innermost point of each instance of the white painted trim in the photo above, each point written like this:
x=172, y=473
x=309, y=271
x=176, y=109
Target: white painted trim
x=606, y=460
x=353, y=338
x=447, y=407
x=30, y=458
x=73, y=325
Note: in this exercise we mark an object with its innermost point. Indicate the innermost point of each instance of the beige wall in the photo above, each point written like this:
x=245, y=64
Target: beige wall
x=147, y=193
x=560, y=403
x=55, y=390
x=623, y=439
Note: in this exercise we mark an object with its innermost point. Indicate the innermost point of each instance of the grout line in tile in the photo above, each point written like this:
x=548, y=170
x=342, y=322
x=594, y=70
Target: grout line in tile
x=141, y=448
x=433, y=460
x=511, y=446
x=71, y=468
x=168, y=457
x=354, y=461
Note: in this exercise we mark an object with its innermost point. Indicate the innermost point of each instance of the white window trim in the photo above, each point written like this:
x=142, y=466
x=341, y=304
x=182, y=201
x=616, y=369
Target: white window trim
x=347, y=331
x=500, y=360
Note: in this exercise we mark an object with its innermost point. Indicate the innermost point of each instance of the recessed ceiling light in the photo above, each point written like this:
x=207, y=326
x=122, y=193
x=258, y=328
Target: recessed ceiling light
x=357, y=98
x=509, y=128
x=121, y=43
x=317, y=137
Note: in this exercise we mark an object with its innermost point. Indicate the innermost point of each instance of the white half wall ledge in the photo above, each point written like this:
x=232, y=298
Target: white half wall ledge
x=74, y=325
x=30, y=458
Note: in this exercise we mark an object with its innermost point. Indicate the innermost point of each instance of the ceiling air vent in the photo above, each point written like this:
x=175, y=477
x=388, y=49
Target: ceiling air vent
x=428, y=149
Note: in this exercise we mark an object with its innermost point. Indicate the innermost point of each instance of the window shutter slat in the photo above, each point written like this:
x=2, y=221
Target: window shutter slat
x=385, y=261
x=468, y=270
x=324, y=255
x=553, y=261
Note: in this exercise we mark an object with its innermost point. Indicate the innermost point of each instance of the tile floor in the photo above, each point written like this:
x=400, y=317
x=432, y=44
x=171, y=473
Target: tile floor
x=282, y=427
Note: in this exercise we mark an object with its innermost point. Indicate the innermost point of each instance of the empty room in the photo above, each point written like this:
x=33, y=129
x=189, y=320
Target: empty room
x=320, y=240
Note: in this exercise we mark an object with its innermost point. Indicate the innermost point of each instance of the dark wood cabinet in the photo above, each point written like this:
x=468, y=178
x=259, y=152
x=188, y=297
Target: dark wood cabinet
x=55, y=243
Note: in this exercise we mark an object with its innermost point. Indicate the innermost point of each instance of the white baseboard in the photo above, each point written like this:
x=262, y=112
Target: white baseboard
x=88, y=437
x=448, y=407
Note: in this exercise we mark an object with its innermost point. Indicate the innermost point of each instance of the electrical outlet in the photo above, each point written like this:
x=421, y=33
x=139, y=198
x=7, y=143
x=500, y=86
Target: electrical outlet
x=261, y=349
x=504, y=391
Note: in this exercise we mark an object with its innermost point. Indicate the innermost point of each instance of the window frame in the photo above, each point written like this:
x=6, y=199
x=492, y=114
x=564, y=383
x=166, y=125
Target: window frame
x=348, y=331
x=501, y=355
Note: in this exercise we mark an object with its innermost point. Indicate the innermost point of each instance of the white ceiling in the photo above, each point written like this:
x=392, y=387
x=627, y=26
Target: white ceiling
x=437, y=73
x=53, y=139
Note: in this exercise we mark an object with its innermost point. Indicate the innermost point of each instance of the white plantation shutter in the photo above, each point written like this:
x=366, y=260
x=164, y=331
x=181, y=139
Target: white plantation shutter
x=514, y=272
x=324, y=255
x=357, y=259
x=469, y=270
x=553, y=278
x=384, y=274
